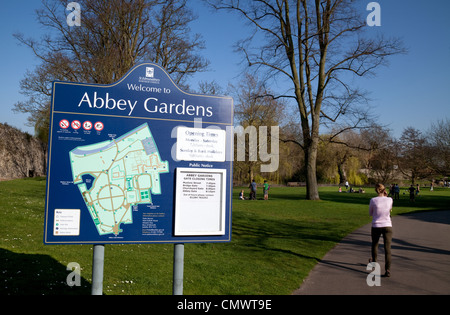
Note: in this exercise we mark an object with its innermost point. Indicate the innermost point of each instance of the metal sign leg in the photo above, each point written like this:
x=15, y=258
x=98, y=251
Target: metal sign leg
x=178, y=266
x=97, y=269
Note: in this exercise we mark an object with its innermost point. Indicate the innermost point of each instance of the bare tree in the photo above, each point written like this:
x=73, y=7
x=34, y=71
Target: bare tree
x=113, y=36
x=253, y=110
x=210, y=88
x=312, y=44
x=414, y=157
x=381, y=152
x=174, y=48
x=439, y=140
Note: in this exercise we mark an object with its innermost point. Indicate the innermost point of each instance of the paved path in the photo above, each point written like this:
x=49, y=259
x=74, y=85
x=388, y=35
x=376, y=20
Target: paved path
x=420, y=260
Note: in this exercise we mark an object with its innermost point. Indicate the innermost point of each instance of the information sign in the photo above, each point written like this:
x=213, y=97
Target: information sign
x=200, y=201
x=138, y=161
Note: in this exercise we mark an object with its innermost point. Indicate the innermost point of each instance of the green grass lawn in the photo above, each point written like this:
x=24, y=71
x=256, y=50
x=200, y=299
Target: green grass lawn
x=275, y=244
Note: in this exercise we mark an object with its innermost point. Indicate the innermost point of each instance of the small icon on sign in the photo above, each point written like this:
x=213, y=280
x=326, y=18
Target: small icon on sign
x=76, y=124
x=64, y=124
x=87, y=125
x=99, y=126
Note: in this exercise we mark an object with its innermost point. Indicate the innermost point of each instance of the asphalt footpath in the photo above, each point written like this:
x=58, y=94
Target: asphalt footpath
x=420, y=260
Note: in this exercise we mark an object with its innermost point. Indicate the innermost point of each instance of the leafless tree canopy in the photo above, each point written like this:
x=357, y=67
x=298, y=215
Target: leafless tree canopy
x=439, y=141
x=113, y=36
x=316, y=47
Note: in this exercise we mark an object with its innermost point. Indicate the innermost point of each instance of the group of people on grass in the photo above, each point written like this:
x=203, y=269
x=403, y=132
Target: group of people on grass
x=351, y=190
x=394, y=191
x=253, y=187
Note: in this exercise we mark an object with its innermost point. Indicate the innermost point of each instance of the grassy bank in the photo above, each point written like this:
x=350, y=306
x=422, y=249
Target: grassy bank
x=275, y=243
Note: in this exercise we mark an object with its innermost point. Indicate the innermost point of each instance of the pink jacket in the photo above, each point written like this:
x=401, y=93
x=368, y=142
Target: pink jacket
x=380, y=209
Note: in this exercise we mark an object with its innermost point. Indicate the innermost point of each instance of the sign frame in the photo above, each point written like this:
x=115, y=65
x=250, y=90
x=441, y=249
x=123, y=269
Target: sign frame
x=146, y=100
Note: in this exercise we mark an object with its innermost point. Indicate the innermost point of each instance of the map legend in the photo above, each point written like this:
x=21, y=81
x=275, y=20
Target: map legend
x=66, y=222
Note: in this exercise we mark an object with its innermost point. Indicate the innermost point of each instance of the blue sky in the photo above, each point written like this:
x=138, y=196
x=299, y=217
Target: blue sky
x=411, y=91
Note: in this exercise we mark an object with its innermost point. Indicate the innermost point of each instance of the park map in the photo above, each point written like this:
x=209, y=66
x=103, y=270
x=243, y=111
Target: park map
x=115, y=175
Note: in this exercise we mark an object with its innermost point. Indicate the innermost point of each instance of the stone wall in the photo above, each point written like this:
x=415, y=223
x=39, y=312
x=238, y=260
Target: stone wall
x=21, y=155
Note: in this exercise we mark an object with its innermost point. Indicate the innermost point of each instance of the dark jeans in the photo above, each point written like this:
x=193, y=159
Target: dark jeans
x=387, y=238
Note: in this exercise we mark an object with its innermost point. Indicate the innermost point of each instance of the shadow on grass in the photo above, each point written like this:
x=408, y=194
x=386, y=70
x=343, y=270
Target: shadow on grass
x=32, y=274
x=290, y=237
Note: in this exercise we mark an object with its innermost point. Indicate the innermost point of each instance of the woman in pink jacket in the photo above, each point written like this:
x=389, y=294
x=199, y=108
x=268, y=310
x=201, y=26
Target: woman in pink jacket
x=380, y=209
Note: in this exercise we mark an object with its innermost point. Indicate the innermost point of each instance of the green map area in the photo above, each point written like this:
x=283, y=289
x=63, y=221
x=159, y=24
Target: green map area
x=114, y=175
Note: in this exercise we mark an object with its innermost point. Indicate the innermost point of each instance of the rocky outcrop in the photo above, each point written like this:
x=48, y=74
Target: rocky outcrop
x=21, y=155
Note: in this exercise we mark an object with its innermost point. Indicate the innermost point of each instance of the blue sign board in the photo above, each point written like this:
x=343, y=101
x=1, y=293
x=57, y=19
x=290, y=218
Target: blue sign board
x=138, y=161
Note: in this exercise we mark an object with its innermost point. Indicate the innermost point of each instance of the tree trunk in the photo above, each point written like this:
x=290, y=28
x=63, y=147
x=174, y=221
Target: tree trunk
x=44, y=158
x=342, y=173
x=312, y=190
x=251, y=174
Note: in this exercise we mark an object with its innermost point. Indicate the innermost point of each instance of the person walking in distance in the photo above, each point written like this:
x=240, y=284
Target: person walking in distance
x=253, y=188
x=412, y=193
x=266, y=190
x=380, y=208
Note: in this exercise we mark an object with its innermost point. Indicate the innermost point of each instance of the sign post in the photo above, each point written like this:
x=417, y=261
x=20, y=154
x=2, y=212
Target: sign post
x=138, y=161
x=98, y=262
x=178, y=269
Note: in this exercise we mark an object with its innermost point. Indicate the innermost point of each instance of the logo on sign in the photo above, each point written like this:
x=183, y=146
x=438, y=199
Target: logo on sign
x=149, y=72
x=149, y=76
